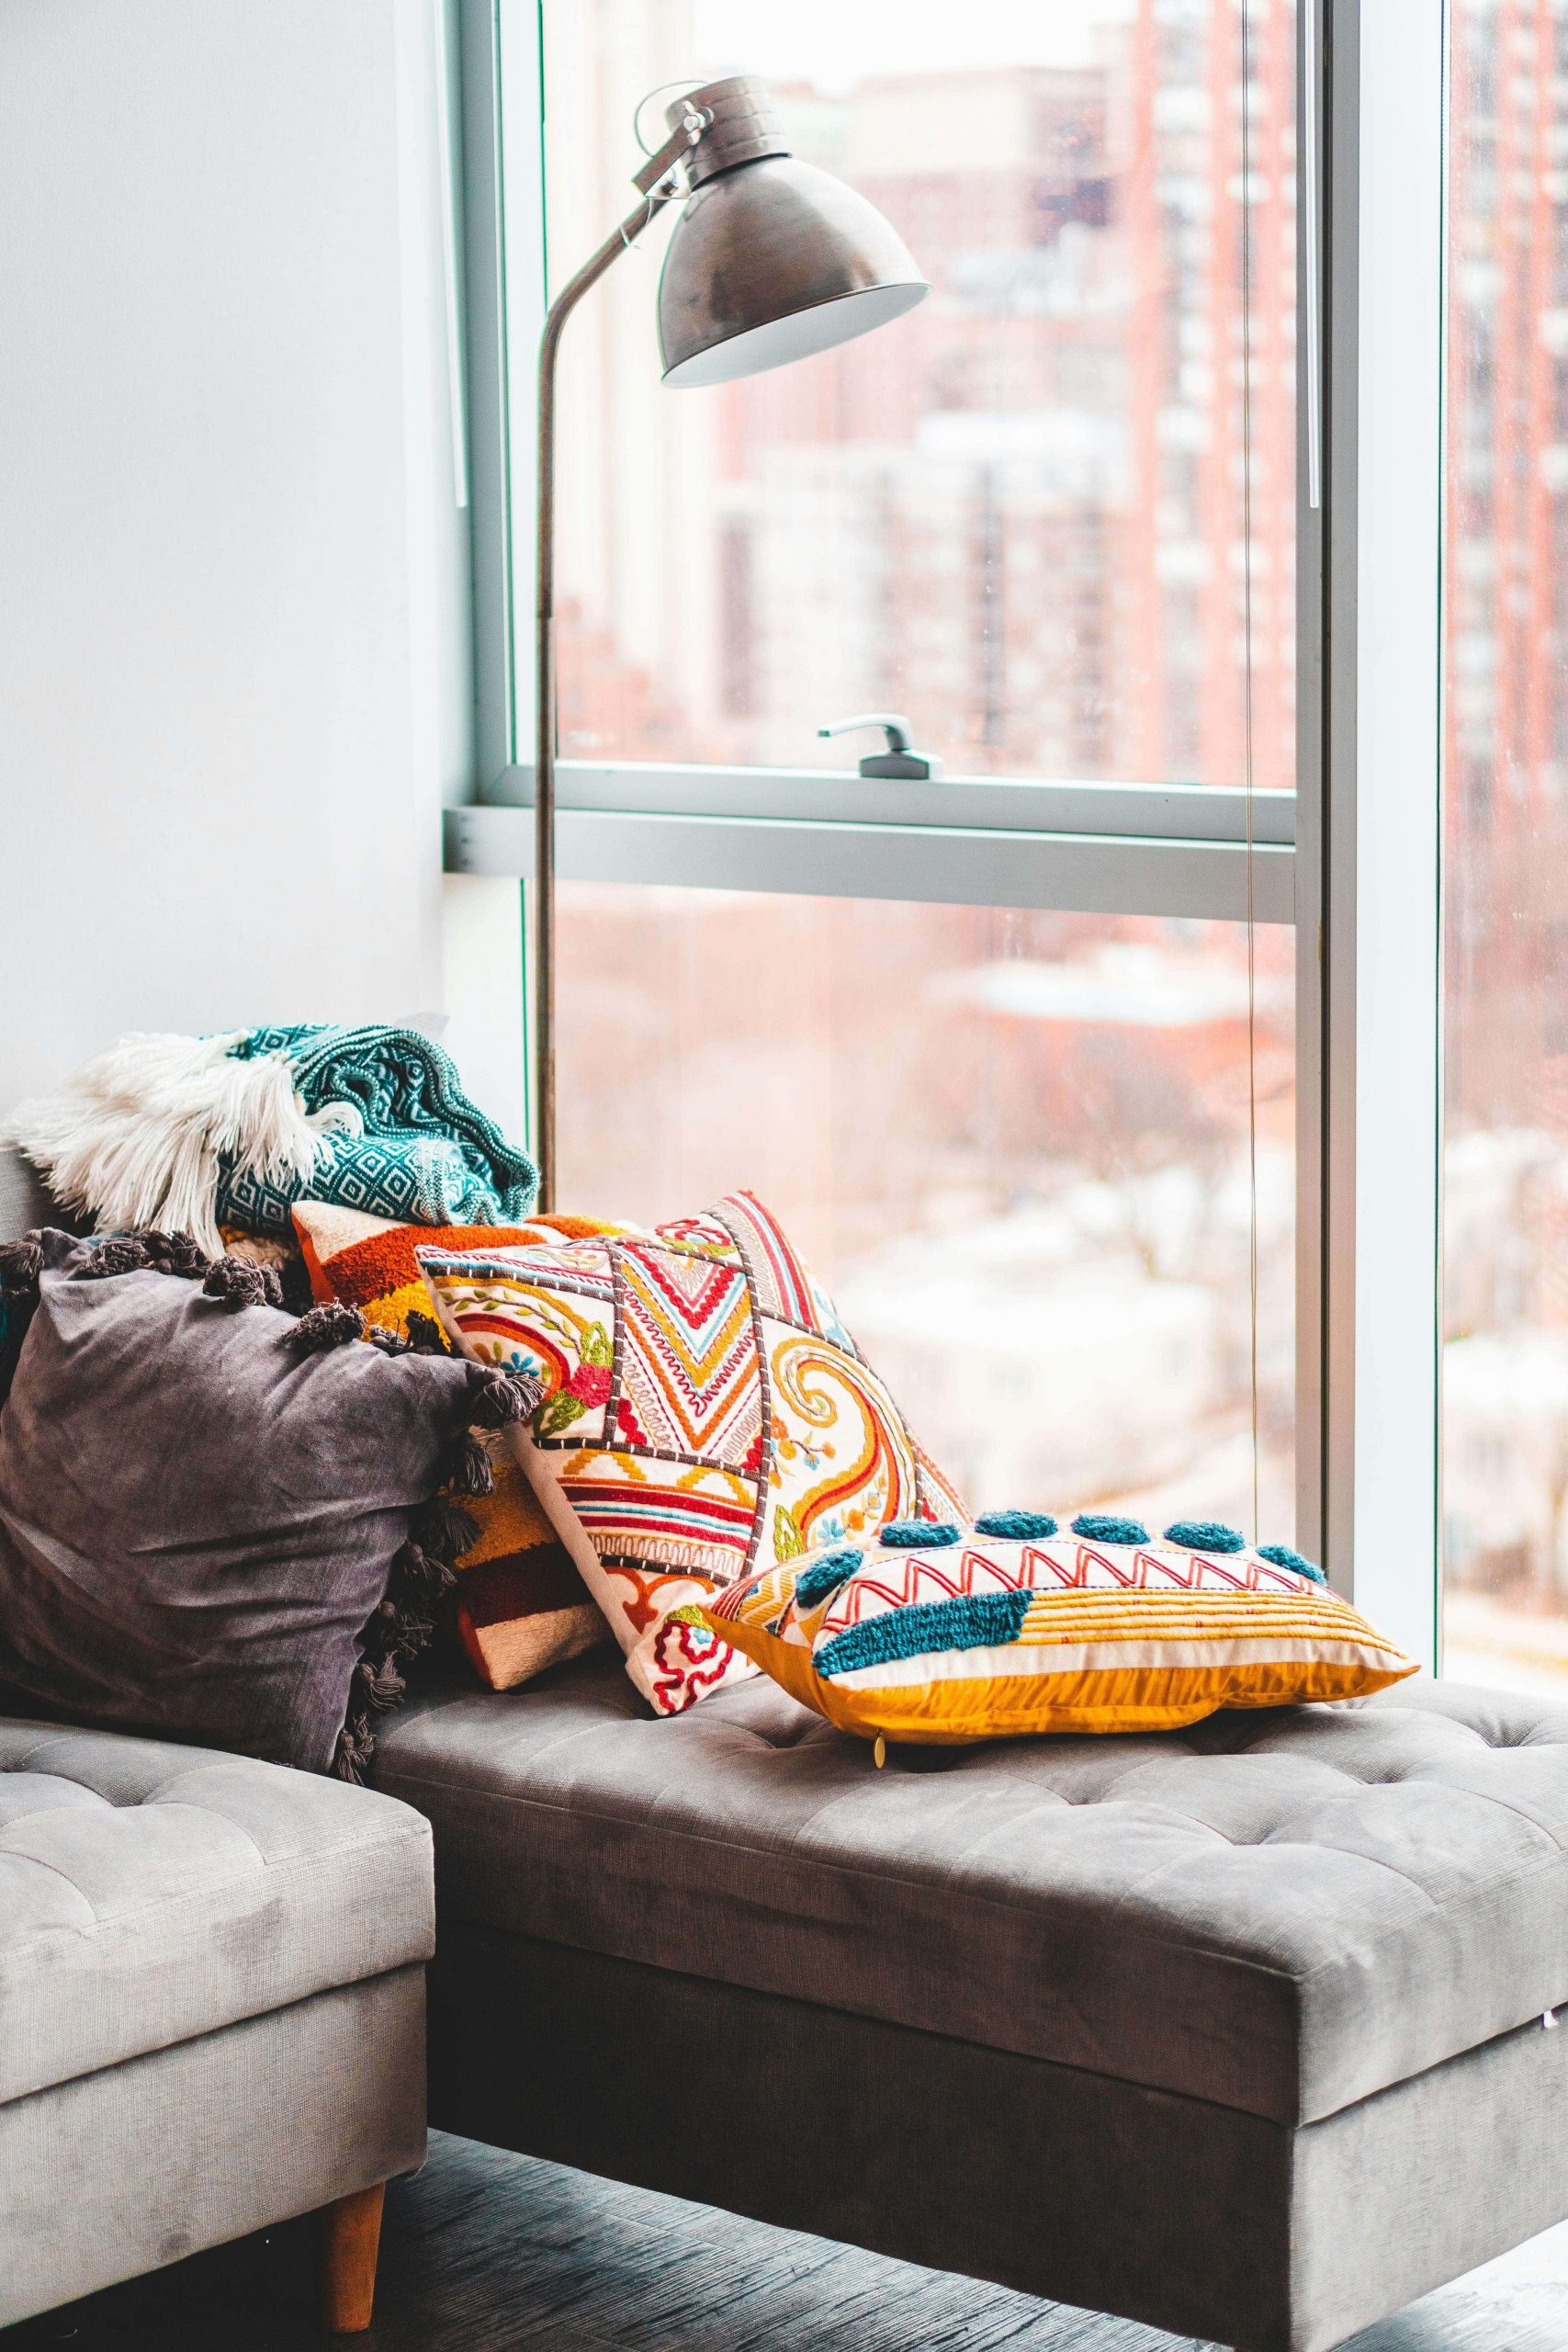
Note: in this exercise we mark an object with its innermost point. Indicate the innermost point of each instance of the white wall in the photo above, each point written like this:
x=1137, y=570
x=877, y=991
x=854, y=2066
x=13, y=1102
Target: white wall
x=234, y=677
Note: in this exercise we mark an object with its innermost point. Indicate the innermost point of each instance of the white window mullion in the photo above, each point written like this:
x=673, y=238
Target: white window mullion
x=935, y=864
x=1381, y=842
x=504, y=277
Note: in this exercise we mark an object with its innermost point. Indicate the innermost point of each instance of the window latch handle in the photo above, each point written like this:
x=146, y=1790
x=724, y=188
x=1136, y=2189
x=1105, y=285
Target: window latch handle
x=900, y=759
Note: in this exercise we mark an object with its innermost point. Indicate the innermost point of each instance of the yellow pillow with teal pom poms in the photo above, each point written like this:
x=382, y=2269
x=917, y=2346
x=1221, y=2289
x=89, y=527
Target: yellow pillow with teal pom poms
x=1010, y=1624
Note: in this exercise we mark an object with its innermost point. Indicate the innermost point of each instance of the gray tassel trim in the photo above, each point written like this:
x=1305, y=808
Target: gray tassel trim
x=404, y=1626
x=356, y=1747
x=174, y=1254
x=331, y=1326
x=164, y=1253
x=135, y=1252
x=126, y=1254
x=467, y=1469
x=235, y=1282
x=497, y=1399
x=379, y=1687
x=426, y=1336
x=20, y=1265
x=444, y=1530
x=427, y=1573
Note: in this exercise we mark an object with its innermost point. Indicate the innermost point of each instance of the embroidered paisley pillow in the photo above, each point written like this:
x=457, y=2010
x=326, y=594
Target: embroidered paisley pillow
x=706, y=1415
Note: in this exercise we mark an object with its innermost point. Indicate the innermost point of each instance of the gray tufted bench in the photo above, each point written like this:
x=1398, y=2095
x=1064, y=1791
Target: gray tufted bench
x=1237, y=2031
x=211, y=2010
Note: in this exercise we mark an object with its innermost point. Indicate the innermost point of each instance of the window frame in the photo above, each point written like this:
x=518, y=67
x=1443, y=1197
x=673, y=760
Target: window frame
x=1073, y=848
x=1327, y=856
x=1377, y=843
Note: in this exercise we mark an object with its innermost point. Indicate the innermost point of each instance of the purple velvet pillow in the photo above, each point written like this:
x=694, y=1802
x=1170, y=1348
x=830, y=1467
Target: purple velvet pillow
x=216, y=1523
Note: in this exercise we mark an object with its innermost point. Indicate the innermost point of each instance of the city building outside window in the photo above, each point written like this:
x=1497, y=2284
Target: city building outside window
x=1506, y=823
x=1050, y=517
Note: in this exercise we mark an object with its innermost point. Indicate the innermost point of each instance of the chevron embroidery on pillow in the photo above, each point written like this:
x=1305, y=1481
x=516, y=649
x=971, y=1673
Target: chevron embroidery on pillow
x=692, y=1377
x=707, y=1415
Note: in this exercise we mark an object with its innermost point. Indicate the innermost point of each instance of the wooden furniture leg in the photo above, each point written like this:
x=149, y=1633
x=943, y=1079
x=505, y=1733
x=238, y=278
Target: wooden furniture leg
x=348, y=2235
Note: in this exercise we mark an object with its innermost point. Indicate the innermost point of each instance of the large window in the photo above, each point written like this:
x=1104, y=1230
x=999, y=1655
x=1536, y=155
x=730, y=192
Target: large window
x=1072, y=518
x=1051, y=514
x=1014, y=1051
x=1505, y=1286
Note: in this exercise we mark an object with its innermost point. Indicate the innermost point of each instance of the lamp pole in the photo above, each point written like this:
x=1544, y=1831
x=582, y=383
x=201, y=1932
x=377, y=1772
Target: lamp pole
x=659, y=187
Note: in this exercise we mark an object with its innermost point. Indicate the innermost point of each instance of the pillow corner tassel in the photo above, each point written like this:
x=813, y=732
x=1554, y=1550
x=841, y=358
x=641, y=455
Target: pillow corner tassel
x=423, y=1569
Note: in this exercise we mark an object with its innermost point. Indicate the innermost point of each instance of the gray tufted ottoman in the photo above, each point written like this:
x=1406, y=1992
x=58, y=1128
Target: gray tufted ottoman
x=211, y=2010
x=1237, y=2030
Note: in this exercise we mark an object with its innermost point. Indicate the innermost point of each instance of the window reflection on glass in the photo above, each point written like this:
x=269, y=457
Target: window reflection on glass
x=1018, y=513
x=1505, y=1360
x=1014, y=1144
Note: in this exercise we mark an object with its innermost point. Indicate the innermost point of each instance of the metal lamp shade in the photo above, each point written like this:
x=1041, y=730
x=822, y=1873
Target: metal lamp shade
x=771, y=261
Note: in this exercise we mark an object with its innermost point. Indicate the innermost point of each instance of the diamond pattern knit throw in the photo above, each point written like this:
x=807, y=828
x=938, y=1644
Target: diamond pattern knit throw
x=407, y=1142
x=189, y=1134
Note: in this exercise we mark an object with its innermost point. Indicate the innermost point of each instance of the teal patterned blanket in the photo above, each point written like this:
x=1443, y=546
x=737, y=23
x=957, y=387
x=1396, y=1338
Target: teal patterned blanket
x=412, y=1144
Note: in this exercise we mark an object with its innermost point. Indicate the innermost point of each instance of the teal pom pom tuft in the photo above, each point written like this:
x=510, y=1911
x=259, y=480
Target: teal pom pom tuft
x=1205, y=1535
x=1020, y=1526
x=1280, y=1555
x=825, y=1575
x=1102, y=1527
x=972, y=1621
x=917, y=1534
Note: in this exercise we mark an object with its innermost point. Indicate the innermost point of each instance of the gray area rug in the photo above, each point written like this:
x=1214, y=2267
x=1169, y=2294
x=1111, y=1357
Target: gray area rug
x=486, y=2251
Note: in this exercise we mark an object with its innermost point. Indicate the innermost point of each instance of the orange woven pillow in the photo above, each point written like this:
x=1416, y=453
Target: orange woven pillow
x=522, y=1605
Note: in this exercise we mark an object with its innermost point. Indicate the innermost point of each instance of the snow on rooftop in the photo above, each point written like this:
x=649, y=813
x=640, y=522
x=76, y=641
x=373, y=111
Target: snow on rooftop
x=1133, y=983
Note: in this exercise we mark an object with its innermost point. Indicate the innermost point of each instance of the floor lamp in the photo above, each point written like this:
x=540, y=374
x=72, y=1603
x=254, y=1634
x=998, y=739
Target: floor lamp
x=771, y=261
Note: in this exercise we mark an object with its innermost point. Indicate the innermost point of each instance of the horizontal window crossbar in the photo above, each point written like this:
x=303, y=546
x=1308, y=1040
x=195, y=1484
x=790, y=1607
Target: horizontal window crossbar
x=1069, y=872
x=1186, y=812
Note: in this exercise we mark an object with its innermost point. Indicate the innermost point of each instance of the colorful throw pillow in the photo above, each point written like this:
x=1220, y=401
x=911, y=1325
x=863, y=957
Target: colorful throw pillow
x=520, y=1605
x=705, y=1413
x=1010, y=1624
x=369, y=1261
x=217, y=1523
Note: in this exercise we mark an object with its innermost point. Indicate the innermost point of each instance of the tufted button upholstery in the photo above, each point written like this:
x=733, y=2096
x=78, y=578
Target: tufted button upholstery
x=1282, y=1912
x=150, y=1893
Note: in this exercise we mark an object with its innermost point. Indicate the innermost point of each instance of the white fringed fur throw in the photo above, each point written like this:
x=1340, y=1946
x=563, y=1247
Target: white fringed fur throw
x=136, y=1137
